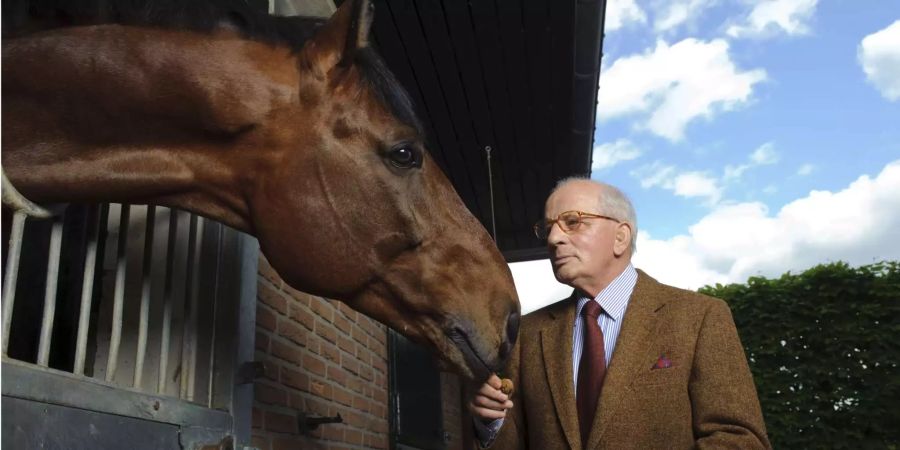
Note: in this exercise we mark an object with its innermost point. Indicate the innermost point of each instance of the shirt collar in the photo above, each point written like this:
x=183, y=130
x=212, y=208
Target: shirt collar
x=614, y=298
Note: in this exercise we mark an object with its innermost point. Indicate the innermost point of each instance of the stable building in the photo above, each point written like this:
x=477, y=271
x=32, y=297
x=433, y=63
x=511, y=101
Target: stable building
x=160, y=329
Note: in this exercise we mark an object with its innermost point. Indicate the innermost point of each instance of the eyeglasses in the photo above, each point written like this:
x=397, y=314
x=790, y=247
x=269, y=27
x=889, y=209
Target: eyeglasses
x=568, y=221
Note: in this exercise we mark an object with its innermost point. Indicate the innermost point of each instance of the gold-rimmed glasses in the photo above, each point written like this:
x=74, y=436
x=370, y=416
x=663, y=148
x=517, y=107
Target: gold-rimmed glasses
x=568, y=221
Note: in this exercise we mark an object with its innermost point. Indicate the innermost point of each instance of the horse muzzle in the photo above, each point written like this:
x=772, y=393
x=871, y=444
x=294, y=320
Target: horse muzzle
x=483, y=363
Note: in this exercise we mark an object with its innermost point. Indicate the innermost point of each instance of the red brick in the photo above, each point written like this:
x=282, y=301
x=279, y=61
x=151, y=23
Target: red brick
x=330, y=353
x=348, y=311
x=313, y=343
x=338, y=376
x=293, y=332
x=355, y=419
x=313, y=365
x=380, y=396
x=360, y=403
x=302, y=315
x=299, y=297
x=333, y=433
x=380, y=365
x=381, y=411
x=342, y=396
x=262, y=341
x=318, y=407
x=321, y=389
x=358, y=334
x=350, y=363
x=287, y=352
x=272, y=297
x=265, y=318
x=296, y=401
x=268, y=272
x=269, y=394
x=326, y=331
x=366, y=373
x=379, y=442
x=346, y=344
x=353, y=437
x=295, y=379
x=281, y=423
x=381, y=426
x=296, y=443
x=342, y=324
x=256, y=418
x=355, y=385
x=322, y=308
x=362, y=352
x=260, y=442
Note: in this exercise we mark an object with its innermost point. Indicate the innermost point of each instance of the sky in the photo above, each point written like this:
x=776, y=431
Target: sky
x=753, y=137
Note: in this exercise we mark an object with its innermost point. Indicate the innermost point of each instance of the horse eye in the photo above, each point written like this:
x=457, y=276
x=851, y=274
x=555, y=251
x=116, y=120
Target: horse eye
x=404, y=157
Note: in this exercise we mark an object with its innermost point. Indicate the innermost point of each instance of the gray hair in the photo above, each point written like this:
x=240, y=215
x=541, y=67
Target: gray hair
x=612, y=202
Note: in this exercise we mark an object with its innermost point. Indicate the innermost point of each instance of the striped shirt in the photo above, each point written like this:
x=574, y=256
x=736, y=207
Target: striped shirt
x=613, y=299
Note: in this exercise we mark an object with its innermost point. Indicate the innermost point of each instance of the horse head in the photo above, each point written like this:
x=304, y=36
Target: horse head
x=357, y=209
x=315, y=150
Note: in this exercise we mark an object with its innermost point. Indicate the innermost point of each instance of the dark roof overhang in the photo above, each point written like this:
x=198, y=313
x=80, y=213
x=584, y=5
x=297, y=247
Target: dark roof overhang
x=519, y=77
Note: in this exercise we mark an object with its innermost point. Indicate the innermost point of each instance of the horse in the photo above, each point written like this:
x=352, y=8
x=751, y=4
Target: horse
x=313, y=148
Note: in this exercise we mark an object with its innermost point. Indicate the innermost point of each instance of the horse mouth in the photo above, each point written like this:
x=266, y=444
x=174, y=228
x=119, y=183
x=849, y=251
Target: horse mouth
x=480, y=369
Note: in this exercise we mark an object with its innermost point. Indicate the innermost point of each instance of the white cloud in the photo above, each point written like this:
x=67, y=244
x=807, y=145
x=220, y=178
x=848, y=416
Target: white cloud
x=859, y=224
x=763, y=155
x=678, y=12
x=611, y=153
x=697, y=184
x=879, y=55
x=670, y=86
x=622, y=12
x=805, y=170
x=684, y=184
x=655, y=174
x=769, y=17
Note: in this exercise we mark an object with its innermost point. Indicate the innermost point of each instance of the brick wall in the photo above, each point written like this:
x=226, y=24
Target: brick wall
x=323, y=358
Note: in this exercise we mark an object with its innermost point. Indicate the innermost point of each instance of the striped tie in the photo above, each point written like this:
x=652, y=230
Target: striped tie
x=591, y=370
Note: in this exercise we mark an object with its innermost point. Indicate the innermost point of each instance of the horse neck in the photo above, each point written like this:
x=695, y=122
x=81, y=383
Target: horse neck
x=123, y=114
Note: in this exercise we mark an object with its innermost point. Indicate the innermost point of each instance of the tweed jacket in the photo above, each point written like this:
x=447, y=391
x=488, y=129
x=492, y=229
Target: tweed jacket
x=701, y=396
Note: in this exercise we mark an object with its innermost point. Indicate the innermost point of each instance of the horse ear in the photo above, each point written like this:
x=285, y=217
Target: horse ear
x=336, y=43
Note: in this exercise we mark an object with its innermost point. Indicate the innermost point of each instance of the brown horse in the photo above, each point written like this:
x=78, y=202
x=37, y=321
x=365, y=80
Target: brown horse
x=315, y=151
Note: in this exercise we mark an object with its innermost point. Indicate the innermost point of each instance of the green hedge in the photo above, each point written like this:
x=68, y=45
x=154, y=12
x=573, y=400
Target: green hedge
x=824, y=346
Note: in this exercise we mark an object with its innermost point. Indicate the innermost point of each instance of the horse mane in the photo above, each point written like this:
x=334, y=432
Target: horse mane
x=248, y=17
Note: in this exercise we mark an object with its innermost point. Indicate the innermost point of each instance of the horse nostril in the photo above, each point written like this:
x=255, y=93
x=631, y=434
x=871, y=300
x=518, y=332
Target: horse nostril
x=512, y=331
x=512, y=326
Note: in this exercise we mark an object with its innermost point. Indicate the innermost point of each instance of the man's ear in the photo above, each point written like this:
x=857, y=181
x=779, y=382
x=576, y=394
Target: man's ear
x=623, y=238
x=336, y=43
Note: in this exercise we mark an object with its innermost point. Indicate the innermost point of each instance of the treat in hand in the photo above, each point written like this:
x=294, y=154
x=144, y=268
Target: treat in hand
x=506, y=387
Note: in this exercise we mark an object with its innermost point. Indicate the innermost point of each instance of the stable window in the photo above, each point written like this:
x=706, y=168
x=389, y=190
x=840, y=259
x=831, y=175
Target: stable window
x=126, y=324
x=415, y=400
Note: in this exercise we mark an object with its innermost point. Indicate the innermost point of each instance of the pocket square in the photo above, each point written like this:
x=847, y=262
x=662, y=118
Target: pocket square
x=663, y=362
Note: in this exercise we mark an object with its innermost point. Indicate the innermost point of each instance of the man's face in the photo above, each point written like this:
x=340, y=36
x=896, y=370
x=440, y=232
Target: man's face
x=585, y=256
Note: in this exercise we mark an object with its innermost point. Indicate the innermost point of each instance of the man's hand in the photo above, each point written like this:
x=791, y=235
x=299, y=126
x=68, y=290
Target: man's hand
x=489, y=402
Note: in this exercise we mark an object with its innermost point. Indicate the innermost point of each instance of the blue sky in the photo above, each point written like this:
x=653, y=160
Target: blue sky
x=754, y=137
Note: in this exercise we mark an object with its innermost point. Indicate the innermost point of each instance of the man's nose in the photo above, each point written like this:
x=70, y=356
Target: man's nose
x=554, y=235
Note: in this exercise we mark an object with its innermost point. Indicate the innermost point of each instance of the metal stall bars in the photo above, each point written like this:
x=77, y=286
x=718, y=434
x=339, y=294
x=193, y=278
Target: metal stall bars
x=126, y=322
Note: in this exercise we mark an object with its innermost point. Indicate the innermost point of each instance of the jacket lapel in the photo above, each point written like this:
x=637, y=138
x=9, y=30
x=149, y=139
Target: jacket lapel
x=556, y=343
x=632, y=345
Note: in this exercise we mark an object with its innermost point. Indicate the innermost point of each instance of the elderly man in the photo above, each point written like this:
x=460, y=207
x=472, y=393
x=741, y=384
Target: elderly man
x=625, y=362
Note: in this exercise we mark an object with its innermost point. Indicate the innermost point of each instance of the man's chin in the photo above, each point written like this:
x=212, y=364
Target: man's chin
x=562, y=275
